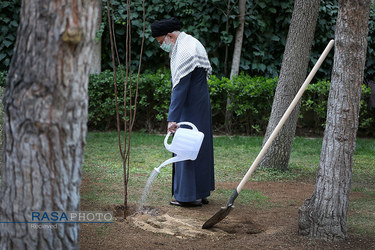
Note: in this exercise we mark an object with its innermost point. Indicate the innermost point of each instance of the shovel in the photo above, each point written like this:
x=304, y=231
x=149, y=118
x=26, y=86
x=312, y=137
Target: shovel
x=224, y=211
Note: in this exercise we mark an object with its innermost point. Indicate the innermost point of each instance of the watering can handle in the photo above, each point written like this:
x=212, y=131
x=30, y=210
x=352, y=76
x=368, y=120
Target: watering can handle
x=166, y=140
x=169, y=133
x=189, y=124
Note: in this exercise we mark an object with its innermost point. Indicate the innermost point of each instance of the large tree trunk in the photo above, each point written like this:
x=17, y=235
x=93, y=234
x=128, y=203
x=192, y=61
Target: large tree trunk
x=236, y=60
x=292, y=75
x=324, y=215
x=45, y=121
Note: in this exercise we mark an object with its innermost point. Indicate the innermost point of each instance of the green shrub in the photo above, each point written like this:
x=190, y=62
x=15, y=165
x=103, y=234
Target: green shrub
x=251, y=105
x=9, y=19
x=3, y=78
x=366, y=114
x=251, y=102
x=218, y=88
x=253, y=97
x=102, y=109
x=152, y=100
x=314, y=108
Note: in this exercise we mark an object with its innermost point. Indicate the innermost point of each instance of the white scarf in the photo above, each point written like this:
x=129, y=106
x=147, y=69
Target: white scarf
x=187, y=54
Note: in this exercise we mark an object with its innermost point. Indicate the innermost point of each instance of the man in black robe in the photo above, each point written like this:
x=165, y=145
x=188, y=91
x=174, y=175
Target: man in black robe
x=193, y=181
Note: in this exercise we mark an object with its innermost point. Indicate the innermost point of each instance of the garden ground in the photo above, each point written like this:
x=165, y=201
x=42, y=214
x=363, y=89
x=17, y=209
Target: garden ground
x=265, y=215
x=246, y=227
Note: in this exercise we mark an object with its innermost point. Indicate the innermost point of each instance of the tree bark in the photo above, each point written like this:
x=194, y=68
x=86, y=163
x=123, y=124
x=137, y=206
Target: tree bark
x=324, y=214
x=45, y=120
x=236, y=60
x=292, y=75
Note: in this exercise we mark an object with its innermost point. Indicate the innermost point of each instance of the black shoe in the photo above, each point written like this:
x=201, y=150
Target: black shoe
x=196, y=203
x=205, y=201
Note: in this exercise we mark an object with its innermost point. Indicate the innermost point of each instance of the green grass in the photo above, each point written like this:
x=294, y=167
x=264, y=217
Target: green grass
x=103, y=173
x=233, y=157
x=361, y=219
x=253, y=197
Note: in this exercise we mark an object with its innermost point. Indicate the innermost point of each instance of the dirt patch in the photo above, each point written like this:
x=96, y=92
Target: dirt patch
x=246, y=227
x=182, y=228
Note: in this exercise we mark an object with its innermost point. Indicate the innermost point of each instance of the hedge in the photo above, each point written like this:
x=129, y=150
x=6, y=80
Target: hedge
x=253, y=97
x=152, y=103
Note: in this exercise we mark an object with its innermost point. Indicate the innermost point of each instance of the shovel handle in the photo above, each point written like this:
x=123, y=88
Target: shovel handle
x=285, y=116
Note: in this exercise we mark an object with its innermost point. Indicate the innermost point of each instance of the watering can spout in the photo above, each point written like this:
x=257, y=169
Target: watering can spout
x=171, y=160
x=157, y=170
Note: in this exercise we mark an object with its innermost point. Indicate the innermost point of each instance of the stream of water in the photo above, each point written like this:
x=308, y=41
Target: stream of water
x=147, y=189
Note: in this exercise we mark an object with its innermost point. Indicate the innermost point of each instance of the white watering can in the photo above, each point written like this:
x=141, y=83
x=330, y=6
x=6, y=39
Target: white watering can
x=185, y=145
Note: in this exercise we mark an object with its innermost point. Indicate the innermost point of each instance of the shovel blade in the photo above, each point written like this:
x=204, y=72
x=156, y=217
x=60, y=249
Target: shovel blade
x=216, y=218
x=222, y=213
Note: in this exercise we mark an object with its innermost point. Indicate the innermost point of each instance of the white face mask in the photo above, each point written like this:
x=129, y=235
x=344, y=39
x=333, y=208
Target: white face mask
x=167, y=45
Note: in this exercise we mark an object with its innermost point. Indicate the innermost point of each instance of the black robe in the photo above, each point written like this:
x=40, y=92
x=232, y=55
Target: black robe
x=190, y=102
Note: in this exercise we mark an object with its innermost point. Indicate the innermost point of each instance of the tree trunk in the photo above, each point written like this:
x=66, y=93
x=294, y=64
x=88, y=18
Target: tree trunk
x=229, y=9
x=324, y=215
x=96, y=62
x=236, y=60
x=292, y=75
x=238, y=40
x=45, y=119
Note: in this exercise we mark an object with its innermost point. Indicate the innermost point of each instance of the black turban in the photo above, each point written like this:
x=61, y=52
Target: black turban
x=165, y=26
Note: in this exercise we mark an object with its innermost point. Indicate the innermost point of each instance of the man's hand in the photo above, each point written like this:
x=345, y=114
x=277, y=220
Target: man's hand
x=172, y=127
